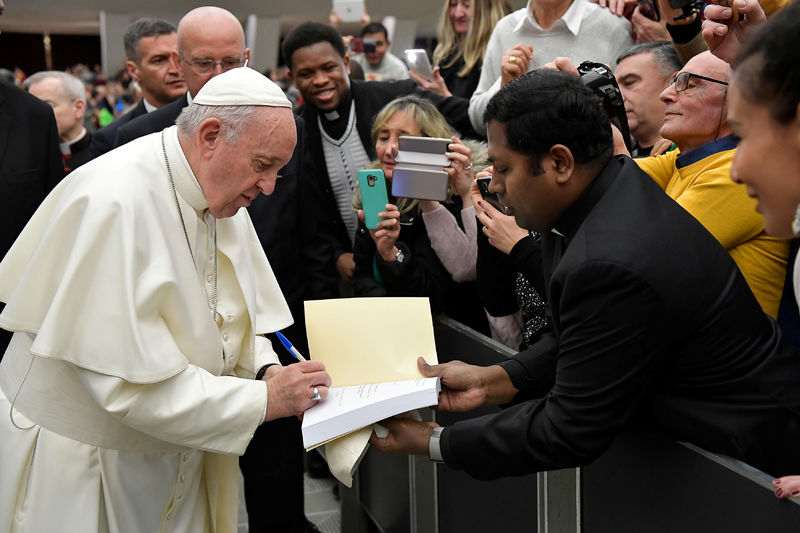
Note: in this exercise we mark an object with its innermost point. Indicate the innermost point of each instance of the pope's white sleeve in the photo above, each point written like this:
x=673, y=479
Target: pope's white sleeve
x=194, y=408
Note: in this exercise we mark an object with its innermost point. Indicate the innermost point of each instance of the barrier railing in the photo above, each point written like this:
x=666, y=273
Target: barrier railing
x=643, y=483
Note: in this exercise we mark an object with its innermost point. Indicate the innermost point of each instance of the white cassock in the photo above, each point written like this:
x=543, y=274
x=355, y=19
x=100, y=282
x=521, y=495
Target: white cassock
x=130, y=405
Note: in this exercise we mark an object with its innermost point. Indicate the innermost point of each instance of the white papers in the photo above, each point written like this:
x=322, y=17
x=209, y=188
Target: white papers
x=347, y=409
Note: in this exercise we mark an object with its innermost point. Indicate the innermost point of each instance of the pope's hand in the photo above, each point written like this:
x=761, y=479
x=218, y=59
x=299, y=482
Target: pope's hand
x=405, y=436
x=466, y=387
x=290, y=388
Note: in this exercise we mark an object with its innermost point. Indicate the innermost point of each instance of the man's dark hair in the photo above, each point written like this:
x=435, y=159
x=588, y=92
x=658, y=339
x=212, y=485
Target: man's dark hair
x=375, y=27
x=141, y=28
x=547, y=107
x=664, y=54
x=766, y=70
x=307, y=34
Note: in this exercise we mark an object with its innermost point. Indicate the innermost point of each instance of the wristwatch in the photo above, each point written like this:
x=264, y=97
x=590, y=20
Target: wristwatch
x=400, y=256
x=434, y=445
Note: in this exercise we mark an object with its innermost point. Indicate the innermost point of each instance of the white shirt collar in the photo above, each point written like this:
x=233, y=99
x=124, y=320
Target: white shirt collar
x=148, y=106
x=66, y=146
x=571, y=19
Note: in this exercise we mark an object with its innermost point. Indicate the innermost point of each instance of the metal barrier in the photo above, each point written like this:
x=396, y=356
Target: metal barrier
x=643, y=483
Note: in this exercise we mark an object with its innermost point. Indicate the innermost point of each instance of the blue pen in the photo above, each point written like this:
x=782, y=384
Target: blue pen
x=288, y=345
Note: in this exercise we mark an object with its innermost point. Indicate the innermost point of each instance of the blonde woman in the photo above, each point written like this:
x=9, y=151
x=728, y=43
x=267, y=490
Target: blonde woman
x=464, y=30
x=420, y=248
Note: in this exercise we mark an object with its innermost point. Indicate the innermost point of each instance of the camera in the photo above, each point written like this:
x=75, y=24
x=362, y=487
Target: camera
x=369, y=45
x=689, y=7
x=602, y=82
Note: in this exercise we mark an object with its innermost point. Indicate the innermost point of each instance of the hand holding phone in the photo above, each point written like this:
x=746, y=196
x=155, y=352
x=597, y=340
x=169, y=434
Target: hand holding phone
x=419, y=64
x=372, y=186
x=490, y=197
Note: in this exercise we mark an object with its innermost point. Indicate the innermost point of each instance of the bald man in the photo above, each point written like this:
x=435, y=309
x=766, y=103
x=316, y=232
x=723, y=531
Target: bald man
x=210, y=42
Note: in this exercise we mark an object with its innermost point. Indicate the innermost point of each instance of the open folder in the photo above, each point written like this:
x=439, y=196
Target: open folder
x=365, y=341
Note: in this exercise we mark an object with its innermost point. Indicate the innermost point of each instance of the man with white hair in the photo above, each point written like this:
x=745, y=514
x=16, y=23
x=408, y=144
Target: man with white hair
x=67, y=96
x=138, y=296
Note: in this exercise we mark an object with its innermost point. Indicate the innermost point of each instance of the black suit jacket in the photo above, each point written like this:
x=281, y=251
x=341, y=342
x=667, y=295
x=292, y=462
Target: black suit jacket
x=287, y=225
x=30, y=164
x=157, y=120
x=652, y=322
x=369, y=98
x=103, y=139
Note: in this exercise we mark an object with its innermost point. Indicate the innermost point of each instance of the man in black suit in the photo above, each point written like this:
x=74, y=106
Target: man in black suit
x=338, y=114
x=149, y=44
x=30, y=165
x=652, y=321
x=210, y=42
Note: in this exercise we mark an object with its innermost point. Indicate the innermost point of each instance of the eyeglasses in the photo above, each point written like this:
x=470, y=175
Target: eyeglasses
x=681, y=81
x=204, y=66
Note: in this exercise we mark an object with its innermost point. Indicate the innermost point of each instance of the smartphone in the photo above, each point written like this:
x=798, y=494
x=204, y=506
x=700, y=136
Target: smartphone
x=357, y=45
x=420, y=170
x=649, y=8
x=491, y=197
x=372, y=186
x=349, y=10
x=370, y=45
x=418, y=63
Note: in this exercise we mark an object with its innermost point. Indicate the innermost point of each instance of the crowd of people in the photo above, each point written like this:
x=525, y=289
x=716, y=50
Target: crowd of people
x=646, y=281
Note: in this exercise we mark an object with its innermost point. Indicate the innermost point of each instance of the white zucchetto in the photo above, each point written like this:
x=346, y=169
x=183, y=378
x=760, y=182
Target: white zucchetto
x=241, y=86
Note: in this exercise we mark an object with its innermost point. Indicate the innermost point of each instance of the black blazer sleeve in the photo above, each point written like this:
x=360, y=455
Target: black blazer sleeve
x=606, y=360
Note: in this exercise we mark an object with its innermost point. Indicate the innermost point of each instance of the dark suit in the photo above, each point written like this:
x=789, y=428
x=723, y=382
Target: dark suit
x=30, y=164
x=81, y=152
x=369, y=98
x=652, y=323
x=157, y=120
x=103, y=139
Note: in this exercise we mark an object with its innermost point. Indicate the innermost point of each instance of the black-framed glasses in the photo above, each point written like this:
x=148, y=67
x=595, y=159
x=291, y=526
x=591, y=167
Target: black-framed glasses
x=204, y=66
x=681, y=81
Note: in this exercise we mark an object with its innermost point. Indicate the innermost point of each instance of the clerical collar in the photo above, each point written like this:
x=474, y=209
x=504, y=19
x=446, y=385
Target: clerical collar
x=335, y=121
x=185, y=181
x=66, y=147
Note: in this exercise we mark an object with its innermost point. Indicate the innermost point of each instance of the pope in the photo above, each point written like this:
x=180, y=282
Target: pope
x=138, y=296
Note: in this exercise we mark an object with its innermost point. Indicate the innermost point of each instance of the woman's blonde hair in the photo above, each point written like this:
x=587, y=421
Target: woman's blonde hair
x=485, y=14
x=431, y=123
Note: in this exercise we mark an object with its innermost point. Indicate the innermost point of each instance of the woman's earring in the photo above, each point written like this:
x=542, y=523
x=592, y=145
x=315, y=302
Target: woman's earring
x=796, y=221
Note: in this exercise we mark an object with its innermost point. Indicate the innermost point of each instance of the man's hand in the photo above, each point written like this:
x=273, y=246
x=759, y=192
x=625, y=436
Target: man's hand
x=724, y=33
x=290, y=388
x=515, y=63
x=648, y=30
x=466, y=387
x=564, y=64
x=405, y=436
x=345, y=266
x=437, y=85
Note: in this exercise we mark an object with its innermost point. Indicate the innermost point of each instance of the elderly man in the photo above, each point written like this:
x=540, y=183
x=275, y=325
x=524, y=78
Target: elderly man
x=652, y=321
x=210, y=42
x=643, y=72
x=149, y=44
x=138, y=295
x=536, y=34
x=67, y=96
x=697, y=175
